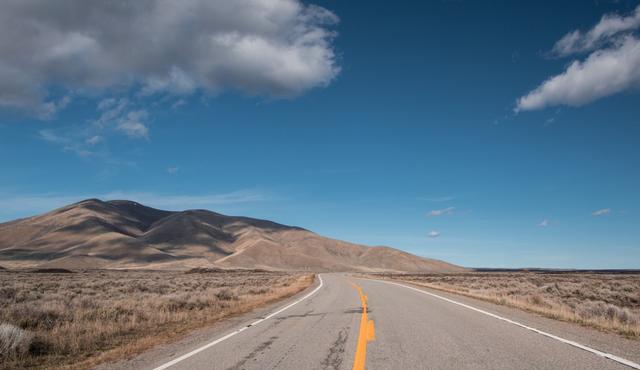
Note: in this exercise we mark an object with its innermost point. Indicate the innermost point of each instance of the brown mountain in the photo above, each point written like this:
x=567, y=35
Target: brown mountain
x=125, y=234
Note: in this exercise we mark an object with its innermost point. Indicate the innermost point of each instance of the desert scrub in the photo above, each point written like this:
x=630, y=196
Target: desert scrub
x=608, y=302
x=78, y=320
x=15, y=343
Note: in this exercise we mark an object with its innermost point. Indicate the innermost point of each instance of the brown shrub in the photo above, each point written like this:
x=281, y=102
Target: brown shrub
x=14, y=342
x=226, y=295
x=81, y=319
x=609, y=302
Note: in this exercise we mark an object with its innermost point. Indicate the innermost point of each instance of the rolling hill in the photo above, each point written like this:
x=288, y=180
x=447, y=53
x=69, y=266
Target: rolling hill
x=127, y=235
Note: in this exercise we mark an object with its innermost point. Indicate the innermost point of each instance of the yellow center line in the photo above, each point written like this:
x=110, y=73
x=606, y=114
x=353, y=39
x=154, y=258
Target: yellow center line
x=367, y=333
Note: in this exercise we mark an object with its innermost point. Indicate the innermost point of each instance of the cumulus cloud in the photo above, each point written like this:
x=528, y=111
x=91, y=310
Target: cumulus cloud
x=612, y=66
x=277, y=48
x=440, y=212
x=609, y=25
x=601, y=212
x=603, y=73
x=434, y=234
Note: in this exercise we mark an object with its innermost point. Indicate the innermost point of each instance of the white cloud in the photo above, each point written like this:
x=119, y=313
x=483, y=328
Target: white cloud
x=603, y=73
x=132, y=124
x=611, y=68
x=601, y=212
x=433, y=234
x=609, y=26
x=277, y=48
x=440, y=212
x=115, y=116
x=544, y=223
x=179, y=103
x=94, y=140
x=172, y=170
x=67, y=144
x=50, y=136
x=123, y=116
x=49, y=109
x=111, y=110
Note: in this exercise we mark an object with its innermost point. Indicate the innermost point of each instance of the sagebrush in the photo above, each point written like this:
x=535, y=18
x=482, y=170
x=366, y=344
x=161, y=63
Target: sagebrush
x=609, y=302
x=80, y=319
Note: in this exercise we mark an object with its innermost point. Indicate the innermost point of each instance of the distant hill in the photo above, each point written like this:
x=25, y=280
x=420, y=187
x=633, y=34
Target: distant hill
x=126, y=234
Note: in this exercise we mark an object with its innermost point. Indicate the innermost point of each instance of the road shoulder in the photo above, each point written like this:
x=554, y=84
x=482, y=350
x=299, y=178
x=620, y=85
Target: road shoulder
x=603, y=341
x=164, y=353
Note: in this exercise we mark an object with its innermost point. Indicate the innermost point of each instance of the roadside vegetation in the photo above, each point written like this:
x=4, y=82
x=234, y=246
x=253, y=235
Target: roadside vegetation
x=76, y=320
x=608, y=302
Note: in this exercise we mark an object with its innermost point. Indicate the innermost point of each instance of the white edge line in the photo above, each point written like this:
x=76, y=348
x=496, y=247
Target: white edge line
x=569, y=342
x=237, y=331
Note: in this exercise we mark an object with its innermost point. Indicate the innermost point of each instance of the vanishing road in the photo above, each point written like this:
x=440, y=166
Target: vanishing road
x=404, y=328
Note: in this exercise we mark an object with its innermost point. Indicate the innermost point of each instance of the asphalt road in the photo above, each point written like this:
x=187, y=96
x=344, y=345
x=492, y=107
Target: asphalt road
x=322, y=330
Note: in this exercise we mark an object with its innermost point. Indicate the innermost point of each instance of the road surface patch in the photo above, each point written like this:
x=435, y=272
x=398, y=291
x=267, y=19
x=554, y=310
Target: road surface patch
x=549, y=335
x=367, y=333
x=238, y=331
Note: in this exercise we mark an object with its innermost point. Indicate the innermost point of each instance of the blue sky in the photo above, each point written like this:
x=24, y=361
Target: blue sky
x=495, y=136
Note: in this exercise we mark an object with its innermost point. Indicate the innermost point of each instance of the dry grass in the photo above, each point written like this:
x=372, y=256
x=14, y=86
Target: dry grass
x=75, y=321
x=609, y=302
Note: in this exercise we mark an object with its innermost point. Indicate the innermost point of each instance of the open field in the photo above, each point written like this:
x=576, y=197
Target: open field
x=609, y=302
x=77, y=320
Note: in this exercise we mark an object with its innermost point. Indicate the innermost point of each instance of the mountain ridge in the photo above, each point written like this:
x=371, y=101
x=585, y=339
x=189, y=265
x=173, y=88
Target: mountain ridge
x=123, y=234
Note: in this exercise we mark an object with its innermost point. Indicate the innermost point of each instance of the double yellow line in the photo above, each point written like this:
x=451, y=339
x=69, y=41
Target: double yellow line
x=367, y=333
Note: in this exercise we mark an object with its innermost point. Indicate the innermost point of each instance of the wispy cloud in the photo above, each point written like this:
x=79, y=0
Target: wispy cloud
x=172, y=170
x=32, y=204
x=190, y=201
x=612, y=66
x=441, y=199
x=440, y=212
x=133, y=124
x=544, y=223
x=123, y=116
x=601, y=212
x=330, y=171
x=49, y=109
x=68, y=144
x=114, y=117
x=79, y=141
x=433, y=234
x=94, y=140
x=608, y=26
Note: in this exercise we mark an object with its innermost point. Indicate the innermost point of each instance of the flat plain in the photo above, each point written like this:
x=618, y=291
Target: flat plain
x=75, y=320
x=605, y=301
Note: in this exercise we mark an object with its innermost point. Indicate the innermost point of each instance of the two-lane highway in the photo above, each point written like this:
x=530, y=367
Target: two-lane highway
x=421, y=331
x=323, y=329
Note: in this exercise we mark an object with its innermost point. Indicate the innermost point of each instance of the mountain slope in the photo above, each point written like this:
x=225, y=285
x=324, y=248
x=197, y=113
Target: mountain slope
x=125, y=234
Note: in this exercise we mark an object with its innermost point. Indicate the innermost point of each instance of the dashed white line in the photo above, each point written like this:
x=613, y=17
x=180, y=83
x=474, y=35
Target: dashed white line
x=569, y=342
x=238, y=331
